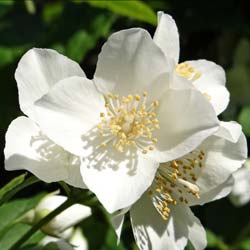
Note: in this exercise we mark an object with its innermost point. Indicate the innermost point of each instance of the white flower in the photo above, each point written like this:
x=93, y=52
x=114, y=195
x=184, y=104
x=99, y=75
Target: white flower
x=61, y=225
x=206, y=76
x=125, y=121
x=27, y=146
x=162, y=219
x=240, y=194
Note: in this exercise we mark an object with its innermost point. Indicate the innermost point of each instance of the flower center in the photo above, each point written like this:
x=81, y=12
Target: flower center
x=129, y=121
x=188, y=72
x=175, y=182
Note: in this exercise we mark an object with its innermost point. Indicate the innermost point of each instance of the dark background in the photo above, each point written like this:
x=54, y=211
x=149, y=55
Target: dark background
x=213, y=30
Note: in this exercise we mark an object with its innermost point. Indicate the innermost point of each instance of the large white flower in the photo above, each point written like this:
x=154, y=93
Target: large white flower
x=162, y=219
x=27, y=146
x=206, y=76
x=62, y=225
x=125, y=121
x=240, y=194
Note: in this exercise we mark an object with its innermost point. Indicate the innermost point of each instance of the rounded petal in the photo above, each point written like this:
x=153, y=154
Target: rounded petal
x=129, y=63
x=69, y=111
x=152, y=232
x=66, y=219
x=212, y=83
x=38, y=70
x=28, y=148
x=222, y=158
x=167, y=37
x=185, y=120
x=118, y=180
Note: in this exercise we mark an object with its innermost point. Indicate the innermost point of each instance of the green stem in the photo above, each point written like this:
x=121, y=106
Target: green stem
x=30, y=181
x=41, y=223
x=65, y=188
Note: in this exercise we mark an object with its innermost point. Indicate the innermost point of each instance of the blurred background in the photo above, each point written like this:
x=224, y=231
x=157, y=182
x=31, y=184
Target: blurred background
x=214, y=30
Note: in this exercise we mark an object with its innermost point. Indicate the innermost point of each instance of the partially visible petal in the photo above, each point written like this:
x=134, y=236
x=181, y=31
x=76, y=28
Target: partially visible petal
x=28, y=148
x=118, y=180
x=167, y=37
x=219, y=192
x=185, y=120
x=66, y=219
x=78, y=240
x=152, y=232
x=221, y=160
x=117, y=220
x=240, y=194
x=230, y=131
x=212, y=83
x=69, y=111
x=129, y=63
x=38, y=70
x=196, y=232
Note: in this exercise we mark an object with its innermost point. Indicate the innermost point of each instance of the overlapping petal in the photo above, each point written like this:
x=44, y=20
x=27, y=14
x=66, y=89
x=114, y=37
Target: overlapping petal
x=69, y=111
x=212, y=83
x=152, y=232
x=28, y=148
x=130, y=62
x=185, y=120
x=167, y=37
x=118, y=180
x=37, y=71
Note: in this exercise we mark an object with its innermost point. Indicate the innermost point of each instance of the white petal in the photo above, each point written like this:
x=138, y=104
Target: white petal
x=230, y=131
x=130, y=62
x=118, y=179
x=185, y=120
x=219, y=192
x=240, y=194
x=78, y=240
x=196, y=232
x=28, y=148
x=68, y=218
x=38, y=70
x=222, y=159
x=152, y=232
x=117, y=220
x=167, y=37
x=75, y=178
x=212, y=82
x=69, y=111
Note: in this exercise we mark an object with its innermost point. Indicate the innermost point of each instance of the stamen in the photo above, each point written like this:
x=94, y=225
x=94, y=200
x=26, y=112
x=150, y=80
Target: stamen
x=175, y=182
x=130, y=121
x=188, y=72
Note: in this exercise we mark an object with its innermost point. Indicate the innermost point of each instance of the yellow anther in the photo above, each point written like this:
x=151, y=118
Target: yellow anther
x=145, y=93
x=137, y=98
x=151, y=148
x=154, y=140
x=156, y=103
x=102, y=115
x=144, y=151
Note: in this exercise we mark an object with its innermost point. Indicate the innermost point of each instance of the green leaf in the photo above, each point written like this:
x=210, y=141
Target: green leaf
x=134, y=9
x=242, y=53
x=52, y=11
x=11, y=211
x=245, y=244
x=82, y=41
x=244, y=119
x=12, y=184
x=15, y=233
x=214, y=241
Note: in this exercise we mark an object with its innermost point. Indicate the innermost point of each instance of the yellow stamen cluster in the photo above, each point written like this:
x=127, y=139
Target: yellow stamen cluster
x=175, y=182
x=129, y=121
x=188, y=72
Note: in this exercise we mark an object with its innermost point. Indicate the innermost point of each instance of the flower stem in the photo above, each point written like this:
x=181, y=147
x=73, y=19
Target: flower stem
x=41, y=223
